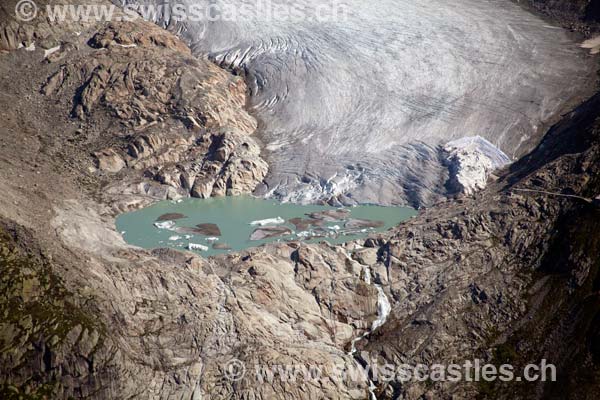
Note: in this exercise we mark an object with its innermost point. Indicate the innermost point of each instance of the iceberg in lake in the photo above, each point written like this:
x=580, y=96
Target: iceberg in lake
x=196, y=247
x=165, y=225
x=268, y=221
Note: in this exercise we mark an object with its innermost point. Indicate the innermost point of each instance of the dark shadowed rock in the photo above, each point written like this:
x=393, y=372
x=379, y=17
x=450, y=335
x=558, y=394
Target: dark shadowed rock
x=303, y=224
x=330, y=215
x=268, y=232
x=170, y=217
x=363, y=223
x=208, y=229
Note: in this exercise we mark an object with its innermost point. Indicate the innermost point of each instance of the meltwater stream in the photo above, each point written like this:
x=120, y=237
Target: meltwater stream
x=383, y=311
x=360, y=103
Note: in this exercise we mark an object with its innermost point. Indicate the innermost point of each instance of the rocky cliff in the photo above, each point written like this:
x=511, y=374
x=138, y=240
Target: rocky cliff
x=121, y=115
x=159, y=123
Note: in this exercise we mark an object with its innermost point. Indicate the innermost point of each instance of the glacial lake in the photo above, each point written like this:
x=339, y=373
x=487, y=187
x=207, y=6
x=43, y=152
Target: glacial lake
x=218, y=225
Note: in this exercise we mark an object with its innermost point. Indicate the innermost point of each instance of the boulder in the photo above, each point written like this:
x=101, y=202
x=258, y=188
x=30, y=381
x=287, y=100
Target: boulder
x=108, y=160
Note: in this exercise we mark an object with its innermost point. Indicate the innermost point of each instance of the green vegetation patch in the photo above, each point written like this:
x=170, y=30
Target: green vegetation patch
x=38, y=315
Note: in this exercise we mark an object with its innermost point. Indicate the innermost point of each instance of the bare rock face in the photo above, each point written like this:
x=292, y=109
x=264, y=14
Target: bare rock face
x=233, y=166
x=182, y=129
x=127, y=35
x=39, y=33
x=109, y=160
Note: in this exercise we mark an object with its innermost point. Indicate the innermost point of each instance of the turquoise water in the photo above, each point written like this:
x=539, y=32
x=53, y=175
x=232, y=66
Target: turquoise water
x=233, y=217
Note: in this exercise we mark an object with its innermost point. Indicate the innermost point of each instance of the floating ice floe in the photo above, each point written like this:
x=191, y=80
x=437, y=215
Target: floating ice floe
x=174, y=238
x=196, y=246
x=165, y=225
x=268, y=221
x=212, y=239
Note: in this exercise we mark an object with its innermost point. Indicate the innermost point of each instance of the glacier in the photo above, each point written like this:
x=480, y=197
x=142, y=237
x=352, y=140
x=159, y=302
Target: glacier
x=359, y=108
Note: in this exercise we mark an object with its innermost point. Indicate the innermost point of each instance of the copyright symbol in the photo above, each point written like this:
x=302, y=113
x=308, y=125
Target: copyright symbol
x=235, y=370
x=26, y=10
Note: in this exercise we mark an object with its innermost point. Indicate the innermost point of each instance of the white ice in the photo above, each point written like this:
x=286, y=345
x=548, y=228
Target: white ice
x=268, y=221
